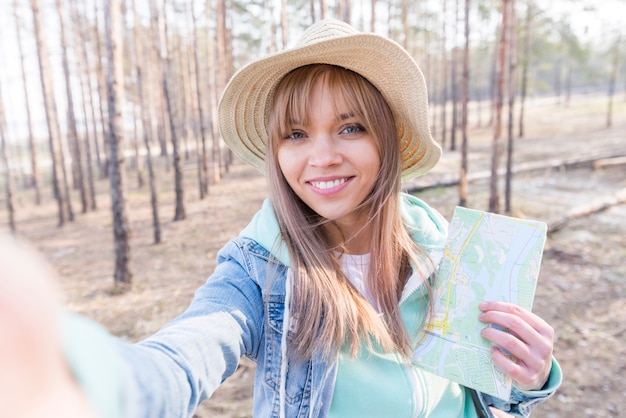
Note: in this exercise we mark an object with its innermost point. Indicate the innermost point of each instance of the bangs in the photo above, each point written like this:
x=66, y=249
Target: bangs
x=291, y=101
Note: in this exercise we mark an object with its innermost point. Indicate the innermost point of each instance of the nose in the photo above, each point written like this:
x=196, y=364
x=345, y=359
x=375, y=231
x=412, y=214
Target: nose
x=324, y=152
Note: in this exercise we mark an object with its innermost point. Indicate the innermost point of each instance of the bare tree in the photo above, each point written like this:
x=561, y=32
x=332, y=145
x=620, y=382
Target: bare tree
x=202, y=154
x=87, y=99
x=454, y=79
x=115, y=100
x=222, y=72
x=59, y=177
x=525, y=65
x=145, y=123
x=444, y=72
x=464, y=111
x=4, y=166
x=77, y=164
x=161, y=38
x=494, y=200
x=213, y=99
x=102, y=94
x=611, y=93
x=511, y=105
x=34, y=164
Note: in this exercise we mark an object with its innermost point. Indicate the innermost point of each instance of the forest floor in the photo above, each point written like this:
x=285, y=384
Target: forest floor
x=582, y=284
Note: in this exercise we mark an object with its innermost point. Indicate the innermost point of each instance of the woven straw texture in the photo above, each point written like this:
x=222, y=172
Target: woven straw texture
x=244, y=106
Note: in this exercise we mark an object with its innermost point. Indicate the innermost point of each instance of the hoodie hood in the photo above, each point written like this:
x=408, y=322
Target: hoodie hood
x=427, y=227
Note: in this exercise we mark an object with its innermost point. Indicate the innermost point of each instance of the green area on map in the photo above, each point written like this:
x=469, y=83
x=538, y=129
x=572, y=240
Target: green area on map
x=487, y=257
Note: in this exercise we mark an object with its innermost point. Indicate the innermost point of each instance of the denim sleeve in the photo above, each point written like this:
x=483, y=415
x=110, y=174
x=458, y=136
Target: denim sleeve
x=170, y=373
x=522, y=402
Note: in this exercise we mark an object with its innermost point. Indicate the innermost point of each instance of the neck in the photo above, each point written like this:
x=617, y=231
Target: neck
x=351, y=238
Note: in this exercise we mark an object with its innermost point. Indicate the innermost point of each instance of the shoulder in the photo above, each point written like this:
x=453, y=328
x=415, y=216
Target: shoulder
x=427, y=226
x=243, y=256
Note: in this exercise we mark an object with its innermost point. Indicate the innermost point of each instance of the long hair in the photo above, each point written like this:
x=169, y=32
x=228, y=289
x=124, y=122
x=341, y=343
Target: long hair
x=327, y=310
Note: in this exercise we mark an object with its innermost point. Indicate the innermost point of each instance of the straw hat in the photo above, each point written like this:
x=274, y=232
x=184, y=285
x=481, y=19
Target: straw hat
x=244, y=106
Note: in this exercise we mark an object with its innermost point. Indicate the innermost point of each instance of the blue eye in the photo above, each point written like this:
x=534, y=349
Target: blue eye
x=295, y=135
x=353, y=128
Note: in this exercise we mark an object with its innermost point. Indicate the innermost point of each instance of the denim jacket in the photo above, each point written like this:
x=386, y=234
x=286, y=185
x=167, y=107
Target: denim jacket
x=241, y=311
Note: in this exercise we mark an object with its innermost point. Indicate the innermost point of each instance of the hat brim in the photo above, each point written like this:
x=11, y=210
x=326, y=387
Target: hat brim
x=244, y=106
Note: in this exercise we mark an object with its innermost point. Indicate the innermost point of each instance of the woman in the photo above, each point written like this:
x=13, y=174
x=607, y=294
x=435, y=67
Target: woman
x=328, y=286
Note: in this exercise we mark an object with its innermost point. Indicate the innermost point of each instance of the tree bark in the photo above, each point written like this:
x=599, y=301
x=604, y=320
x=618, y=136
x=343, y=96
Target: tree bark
x=34, y=163
x=161, y=38
x=4, y=165
x=444, y=77
x=454, y=80
x=508, y=193
x=72, y=140
x=216, y=159
x=203, y=180
x=56, y=153
x=103, y=163
x=86, y=95
x=464, y=110
x=611, y=93
x=525, y=65
x=146, y=126
x=494, y=200
x=115, y=100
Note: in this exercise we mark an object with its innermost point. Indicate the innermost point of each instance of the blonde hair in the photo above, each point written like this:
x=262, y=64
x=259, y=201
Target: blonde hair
x=328, y=311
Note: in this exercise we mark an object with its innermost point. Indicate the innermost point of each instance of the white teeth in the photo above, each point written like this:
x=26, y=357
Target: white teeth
x=323, y=185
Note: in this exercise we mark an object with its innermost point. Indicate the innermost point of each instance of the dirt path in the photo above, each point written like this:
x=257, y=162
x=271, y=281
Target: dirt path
x=581, y=292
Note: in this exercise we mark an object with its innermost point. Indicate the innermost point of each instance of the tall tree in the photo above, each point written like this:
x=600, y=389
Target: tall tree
x=164, y=63
x=494, y=199
x=77, y=163
x=146, y=126
x=444, y=72
x=103, y=163
x=214, y=90
x=512, y=63
x=59, y=177
x=454, y=79
x=115, y=100
x=34, y=163
x=525, y=65
x=87, y=98
x=614, y=66
x=202, y=152
x=464, y=110
x=4, y=165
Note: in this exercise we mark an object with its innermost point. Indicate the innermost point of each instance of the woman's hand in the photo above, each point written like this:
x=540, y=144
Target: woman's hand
x=523, y=343
x=35, y=381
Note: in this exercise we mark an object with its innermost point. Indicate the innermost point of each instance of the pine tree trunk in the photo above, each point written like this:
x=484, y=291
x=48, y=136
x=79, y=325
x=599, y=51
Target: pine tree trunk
x=54, y=133
x=508, y=193
x=525, y=65
x=179, y=212
x=77, y=163
x=32, y=148
x=611, y=93
x=145, y=124
x=115, y=99
x=203, y=180
x=216, y=159
x=464, y=111
x=454, y=82
x=494, y=199
x=83, y=73
x=4, y=166
x=103, y=163
x=444, y=77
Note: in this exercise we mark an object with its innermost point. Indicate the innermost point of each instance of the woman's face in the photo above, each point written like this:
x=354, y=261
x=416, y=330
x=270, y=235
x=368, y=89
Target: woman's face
x=331, y=162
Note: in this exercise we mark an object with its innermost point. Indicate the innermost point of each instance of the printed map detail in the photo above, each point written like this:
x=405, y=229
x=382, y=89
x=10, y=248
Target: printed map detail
x=487, y=257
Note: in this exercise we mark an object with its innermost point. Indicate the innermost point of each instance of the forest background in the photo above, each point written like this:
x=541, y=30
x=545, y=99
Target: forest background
x=111, y=163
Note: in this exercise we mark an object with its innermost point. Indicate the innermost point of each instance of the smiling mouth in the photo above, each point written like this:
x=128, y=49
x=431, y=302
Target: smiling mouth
x=326, y=185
